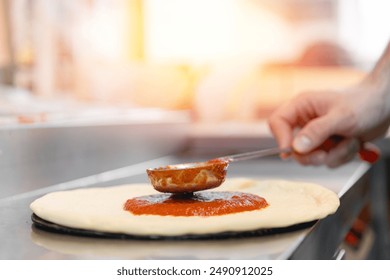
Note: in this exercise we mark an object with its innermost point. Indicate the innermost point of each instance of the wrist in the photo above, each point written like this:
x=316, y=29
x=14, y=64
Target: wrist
x=379, y=79
x=377, y=84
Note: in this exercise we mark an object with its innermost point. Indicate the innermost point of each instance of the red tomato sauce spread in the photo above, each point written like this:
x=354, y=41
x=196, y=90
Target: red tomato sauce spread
x=197, y=204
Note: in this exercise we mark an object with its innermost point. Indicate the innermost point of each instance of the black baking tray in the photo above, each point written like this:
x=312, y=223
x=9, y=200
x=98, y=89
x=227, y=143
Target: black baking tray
x=53, y=227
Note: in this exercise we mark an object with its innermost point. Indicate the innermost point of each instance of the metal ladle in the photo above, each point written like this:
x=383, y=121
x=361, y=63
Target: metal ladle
x=198, y=176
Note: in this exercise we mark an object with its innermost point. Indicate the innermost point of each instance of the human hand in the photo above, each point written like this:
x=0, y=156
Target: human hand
x=357, y=115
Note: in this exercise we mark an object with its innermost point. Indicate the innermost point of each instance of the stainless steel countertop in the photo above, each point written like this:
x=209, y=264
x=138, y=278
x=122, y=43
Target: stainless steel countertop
x=20, y=240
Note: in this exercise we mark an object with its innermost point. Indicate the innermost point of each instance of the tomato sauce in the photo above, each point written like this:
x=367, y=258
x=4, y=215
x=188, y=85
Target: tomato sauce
x=197, y=204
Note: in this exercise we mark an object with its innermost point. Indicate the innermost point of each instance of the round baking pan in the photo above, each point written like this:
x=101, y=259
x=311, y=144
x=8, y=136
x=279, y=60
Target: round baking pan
x=52, y=227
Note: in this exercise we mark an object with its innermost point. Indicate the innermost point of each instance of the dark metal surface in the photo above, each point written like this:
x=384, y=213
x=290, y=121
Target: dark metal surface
x=105, y=148
x=35, y=157
x=19, y=240
x=379, y=195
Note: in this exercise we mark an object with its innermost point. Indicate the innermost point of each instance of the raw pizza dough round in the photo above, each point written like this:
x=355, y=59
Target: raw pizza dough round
x=101, y=209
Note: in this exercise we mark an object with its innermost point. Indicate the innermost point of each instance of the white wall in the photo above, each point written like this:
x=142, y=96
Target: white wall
x=364, y=28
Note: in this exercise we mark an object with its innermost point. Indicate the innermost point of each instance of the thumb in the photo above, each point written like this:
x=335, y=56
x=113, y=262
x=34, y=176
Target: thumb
x=315, y=132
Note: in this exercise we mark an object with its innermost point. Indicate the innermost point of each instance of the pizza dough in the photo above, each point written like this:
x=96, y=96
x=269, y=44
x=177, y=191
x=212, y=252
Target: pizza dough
x=101, y=209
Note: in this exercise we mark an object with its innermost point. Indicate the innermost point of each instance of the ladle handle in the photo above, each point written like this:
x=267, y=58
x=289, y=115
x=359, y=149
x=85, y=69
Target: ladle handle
x=257, y=154
x=368, y=152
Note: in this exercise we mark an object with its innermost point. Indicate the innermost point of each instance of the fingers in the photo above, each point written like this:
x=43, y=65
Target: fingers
x=345, y=151
x=318, y=130
x=296, y=113
x=314, y=158
x=314, y=134
x=282, y=127
x=282, y=131
x=319, y=117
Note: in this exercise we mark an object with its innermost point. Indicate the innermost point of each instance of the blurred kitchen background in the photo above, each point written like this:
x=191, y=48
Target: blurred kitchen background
x=96, y=59
x=93, y=92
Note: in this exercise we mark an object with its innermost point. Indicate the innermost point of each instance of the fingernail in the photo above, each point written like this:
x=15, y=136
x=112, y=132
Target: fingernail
x=302, y=144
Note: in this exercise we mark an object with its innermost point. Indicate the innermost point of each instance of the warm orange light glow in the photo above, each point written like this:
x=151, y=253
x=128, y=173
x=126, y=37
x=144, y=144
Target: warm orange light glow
x=135, y=34
x=201, y=31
